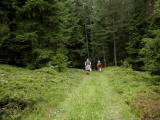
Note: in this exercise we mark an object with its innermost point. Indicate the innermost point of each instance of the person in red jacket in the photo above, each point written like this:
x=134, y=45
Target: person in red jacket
x=99, y=65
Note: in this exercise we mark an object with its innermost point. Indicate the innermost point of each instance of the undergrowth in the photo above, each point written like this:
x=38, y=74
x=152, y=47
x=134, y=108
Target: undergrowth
x=36, y=94
x=140, y=90
x=33, y=94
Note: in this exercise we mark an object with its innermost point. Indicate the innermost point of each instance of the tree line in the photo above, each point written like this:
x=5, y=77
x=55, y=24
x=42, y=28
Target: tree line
x=36, y=33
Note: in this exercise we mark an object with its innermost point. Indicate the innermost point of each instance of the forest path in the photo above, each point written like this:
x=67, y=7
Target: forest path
x=94, y=99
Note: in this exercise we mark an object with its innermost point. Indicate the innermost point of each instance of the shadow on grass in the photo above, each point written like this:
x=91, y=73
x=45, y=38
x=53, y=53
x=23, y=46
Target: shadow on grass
x=11, y=108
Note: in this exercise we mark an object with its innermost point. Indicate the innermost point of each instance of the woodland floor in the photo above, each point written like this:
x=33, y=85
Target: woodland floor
x=114, y=94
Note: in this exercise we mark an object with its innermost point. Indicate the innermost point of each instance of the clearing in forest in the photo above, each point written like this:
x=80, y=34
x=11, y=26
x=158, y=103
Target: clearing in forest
x=44, y=94
x=95, y=99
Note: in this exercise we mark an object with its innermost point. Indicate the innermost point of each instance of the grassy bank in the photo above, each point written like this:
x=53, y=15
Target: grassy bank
x=139, y=90
x=33, y=95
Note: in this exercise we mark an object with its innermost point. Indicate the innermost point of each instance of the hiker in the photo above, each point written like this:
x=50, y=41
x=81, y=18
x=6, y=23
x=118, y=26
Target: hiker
x=88, y=65
x=99, y=66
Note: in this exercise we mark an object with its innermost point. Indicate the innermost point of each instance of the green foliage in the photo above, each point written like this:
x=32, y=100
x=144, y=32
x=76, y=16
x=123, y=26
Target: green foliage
x=112, y=21
x=41, y=58
x=157, y=8
x=38, y=27
x=151, y=53
x=88, y=101
x=111, y=31
x=76, y=43
x=33, y=94
x=60, y=61
x=138, y=29
x=45, y=93
x=139, y=90
x=4, y=30
x=121, y=88
x=126, y=64
x=17, y=47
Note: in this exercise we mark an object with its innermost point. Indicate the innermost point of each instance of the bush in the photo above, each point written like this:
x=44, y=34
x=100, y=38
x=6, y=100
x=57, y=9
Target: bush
x=41, y=58
x=151, y=53
x=60, y=61
x=126, y=64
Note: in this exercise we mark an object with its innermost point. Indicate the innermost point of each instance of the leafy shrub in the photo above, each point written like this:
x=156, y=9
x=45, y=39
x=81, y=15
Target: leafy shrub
x=126, y=64
x=151, y=53
x=60, y=61
x=42, y=57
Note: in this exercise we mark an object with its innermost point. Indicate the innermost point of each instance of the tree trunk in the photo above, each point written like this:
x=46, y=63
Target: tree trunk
x=104, y=57
x=115, y=51
x=87, y=40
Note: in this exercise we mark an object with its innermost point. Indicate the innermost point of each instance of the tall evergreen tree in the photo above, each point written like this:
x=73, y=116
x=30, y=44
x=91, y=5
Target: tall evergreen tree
x=139, y=25
x=34, y=31
x=110, y=30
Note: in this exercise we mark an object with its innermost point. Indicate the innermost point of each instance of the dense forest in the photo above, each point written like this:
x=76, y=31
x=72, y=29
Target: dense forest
x=36, y=33
x=44, y=45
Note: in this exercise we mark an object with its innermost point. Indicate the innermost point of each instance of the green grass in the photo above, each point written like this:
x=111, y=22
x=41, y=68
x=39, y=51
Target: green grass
x=33, y=95
x=44, y=94
x=139, y=90
x=95, y=99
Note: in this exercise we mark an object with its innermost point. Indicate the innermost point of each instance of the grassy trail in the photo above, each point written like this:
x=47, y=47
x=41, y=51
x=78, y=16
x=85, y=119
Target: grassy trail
x=94, y=99
x=44, y=94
